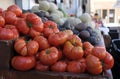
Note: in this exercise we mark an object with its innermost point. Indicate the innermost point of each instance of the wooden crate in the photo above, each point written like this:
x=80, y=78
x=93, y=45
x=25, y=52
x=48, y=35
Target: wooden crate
x=12, y=74
x=6, y=52
x=6, y=71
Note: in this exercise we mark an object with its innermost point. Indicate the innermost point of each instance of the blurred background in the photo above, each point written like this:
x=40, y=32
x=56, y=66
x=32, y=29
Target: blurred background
x=108, y=10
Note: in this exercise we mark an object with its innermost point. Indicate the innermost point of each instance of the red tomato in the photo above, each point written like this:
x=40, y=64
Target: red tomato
x=108, y=62
x=87, y=46
x=59, y=38
x=31, y=25
x=99, y=52
x=2, y=21
x=10, y=17
x=42, y=41
x=15, y=9
x=49, y=56
x=24, y=15
x=94, y=65
x=9, y=32
x=39, y=66
x=26, y=48
x=34, y=33
x=59, y=66
x=75, y=40
x=68, y=32
x=49, y=28
x=13, y=29
x=22, y=26
x=32, y=47
x=83, y=64
x=34, y=22
x=72, y=51
x=74, y=67
x=23, y=63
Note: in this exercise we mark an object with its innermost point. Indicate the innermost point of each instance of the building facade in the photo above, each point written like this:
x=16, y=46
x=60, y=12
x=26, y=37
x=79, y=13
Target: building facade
x=105, y=9
x=4, y=4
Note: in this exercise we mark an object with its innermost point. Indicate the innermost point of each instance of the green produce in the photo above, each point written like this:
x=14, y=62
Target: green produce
x=58, y=13
x=85, y=17
x=60, y=21
x=91, y=24
x=73, y=21
x=44, y=5
x=53, y=7
x=55, y=16
x=64, y=13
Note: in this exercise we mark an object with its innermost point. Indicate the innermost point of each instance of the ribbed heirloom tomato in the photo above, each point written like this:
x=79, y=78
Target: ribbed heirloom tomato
x=34, y=22
x=23, y=63
x=40, y=67
x=26, y=48
x=73, y=48
x=60, y=66
x=87, y=46
x=74, y=39
x=99, y=52
x=68, y=32
x=57, y=39
x=43, y=42
x=10, y=17
x=49, y=56
x=74, y=67
x=94, y=65
x=77, y=66
x=82, y=64
x=49, y=28
x=9, y=32
x=31, y=25
x=15, y=9
x=108, y=61
x=22, y=26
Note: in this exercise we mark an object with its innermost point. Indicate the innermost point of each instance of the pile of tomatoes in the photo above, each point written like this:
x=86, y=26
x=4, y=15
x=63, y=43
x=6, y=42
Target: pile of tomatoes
x=43, y=47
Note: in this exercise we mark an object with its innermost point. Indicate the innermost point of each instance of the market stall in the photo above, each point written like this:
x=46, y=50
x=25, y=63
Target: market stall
x=51, y=44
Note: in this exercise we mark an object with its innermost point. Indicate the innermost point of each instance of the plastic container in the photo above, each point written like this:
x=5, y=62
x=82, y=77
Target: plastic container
x=115, y=52
x=114, y=35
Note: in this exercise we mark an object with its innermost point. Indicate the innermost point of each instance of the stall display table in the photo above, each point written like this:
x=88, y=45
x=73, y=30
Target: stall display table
x=6, y=72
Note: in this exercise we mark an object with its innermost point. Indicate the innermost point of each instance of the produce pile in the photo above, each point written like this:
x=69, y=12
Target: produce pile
x=82, y=26
x=42, y=46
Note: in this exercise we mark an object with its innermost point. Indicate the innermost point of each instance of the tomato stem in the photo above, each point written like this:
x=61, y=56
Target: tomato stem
x=29, y=24
x=102, y=63
x=47, y=51
x=75, y=44
x=28, y=40
x=51, y=27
